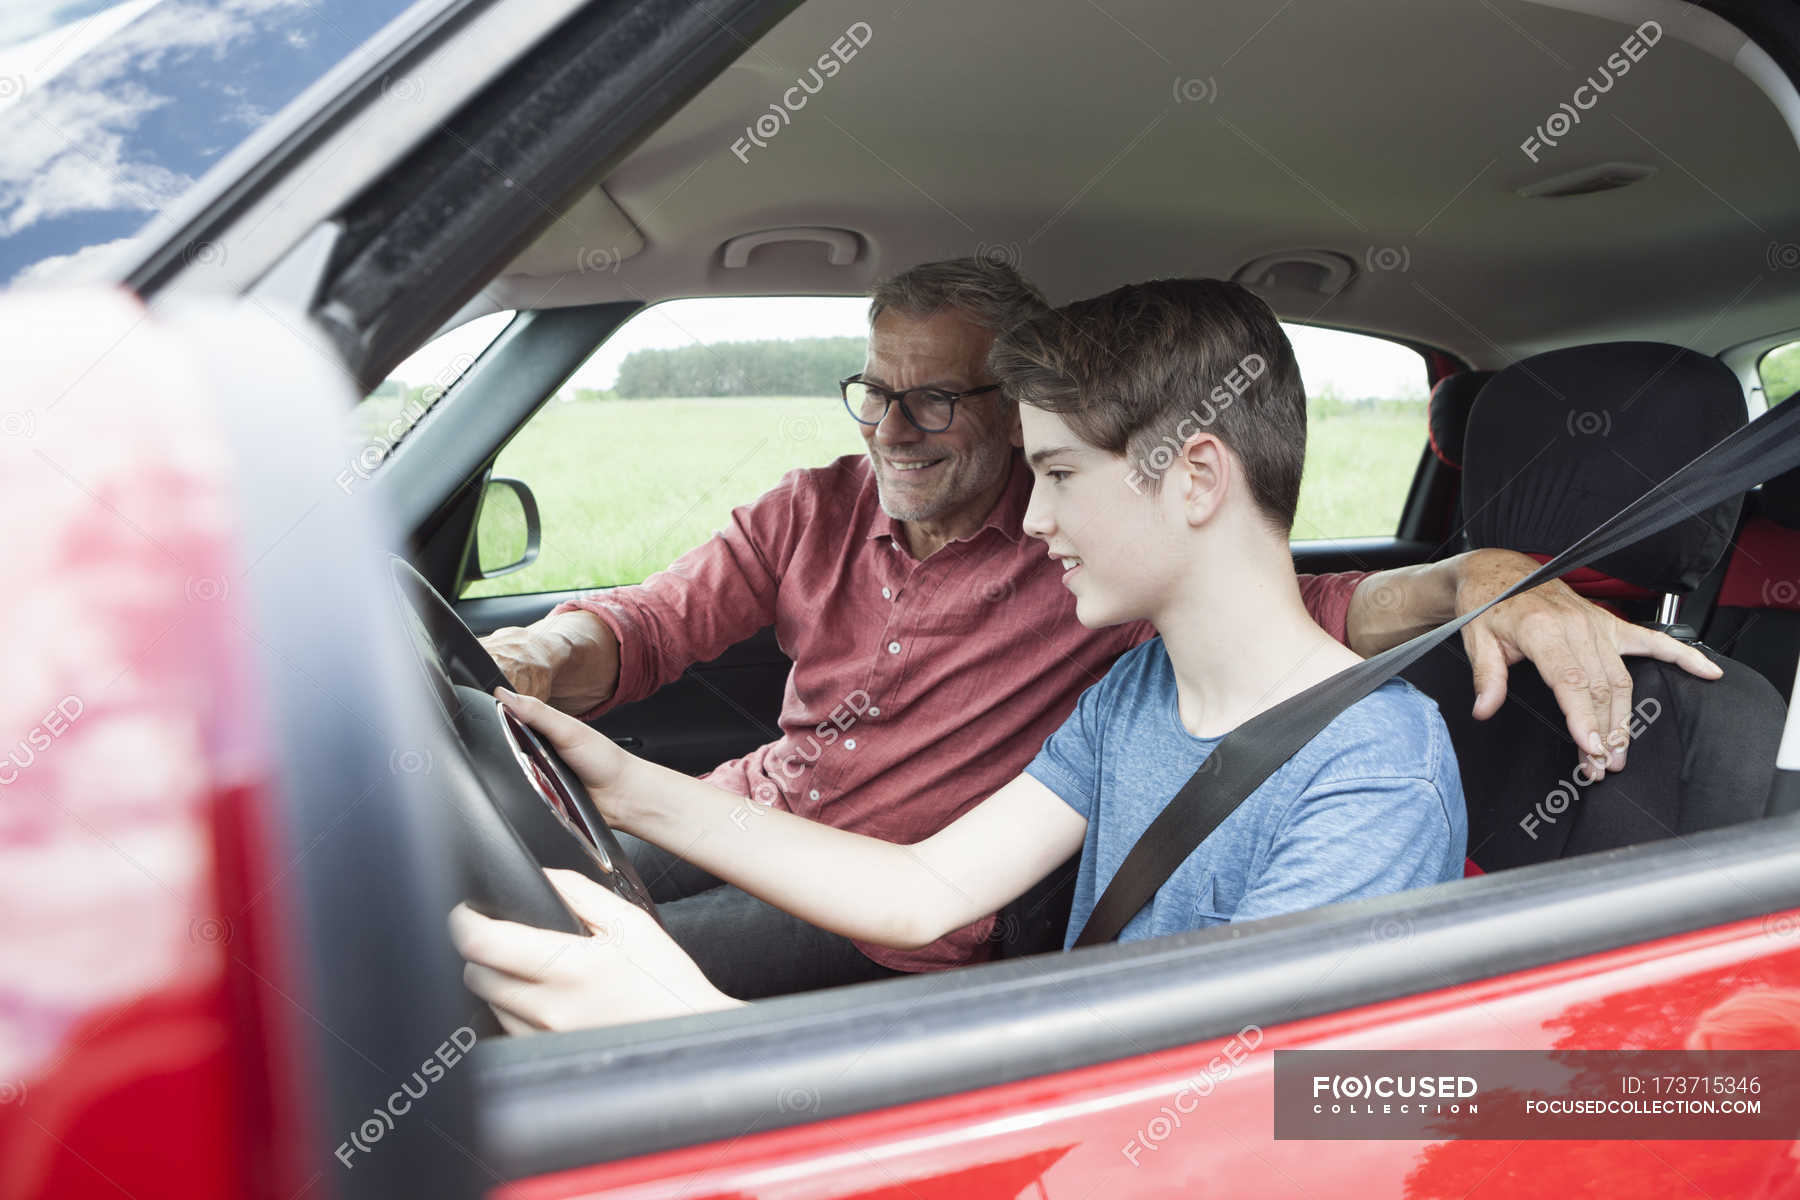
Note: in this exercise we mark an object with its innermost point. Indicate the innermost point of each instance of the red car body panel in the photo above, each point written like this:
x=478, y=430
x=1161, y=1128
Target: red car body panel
x=1072, y=1134
x=139, y=897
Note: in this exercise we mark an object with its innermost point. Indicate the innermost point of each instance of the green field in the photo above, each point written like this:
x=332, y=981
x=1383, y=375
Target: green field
x=624, y=486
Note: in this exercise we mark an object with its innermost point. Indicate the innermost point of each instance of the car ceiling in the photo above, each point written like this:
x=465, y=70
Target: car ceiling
x=1096, y=142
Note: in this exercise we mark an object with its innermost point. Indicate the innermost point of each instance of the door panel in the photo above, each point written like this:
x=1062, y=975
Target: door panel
x=1358, y=554
x=1197, y=1119
x=924, y=1078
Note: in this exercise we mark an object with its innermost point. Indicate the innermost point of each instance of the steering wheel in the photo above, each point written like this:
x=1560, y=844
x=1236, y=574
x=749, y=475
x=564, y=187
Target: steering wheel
x=518, y=807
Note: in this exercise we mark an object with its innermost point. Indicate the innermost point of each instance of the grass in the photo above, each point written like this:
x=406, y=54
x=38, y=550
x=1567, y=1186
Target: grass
x=1359, y=467
x=625, y=486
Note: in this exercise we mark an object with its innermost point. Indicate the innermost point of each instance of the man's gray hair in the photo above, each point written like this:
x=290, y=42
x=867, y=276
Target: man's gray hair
x=988, y=291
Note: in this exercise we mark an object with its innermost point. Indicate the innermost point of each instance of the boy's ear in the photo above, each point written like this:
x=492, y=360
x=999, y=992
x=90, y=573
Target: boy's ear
x=1015, y=430
x=1205, y=474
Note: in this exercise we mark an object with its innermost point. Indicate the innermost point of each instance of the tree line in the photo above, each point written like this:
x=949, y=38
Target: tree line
x=800, y=367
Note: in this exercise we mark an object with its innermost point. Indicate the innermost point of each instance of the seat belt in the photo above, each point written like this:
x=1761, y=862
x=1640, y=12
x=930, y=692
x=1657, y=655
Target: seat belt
x=1246, y=757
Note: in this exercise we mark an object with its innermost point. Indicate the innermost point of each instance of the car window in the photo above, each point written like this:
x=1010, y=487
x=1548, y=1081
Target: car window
x=697, y=406
x=109, y=111
x=1779, y=372
x=690, y=409
x=1365, y=429
x=388, y=413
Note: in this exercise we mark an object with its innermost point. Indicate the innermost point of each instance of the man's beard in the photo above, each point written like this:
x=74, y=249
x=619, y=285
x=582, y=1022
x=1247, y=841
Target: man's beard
x=977, y=470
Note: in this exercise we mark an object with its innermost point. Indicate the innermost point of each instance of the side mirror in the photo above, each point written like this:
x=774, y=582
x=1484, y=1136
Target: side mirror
x=507, y=530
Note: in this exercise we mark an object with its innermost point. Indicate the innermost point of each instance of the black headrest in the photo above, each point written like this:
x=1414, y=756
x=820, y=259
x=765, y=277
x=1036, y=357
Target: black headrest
x=1779, y=499
x=1561, y=441
x=1447, y=418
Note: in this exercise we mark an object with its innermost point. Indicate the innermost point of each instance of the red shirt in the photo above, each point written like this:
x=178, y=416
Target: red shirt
x=919, y=688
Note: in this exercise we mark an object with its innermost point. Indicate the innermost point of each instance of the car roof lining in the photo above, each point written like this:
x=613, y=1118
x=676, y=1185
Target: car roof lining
x=1077, y=155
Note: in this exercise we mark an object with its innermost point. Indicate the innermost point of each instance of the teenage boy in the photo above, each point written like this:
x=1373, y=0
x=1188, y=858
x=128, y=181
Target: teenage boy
x=1165, y=426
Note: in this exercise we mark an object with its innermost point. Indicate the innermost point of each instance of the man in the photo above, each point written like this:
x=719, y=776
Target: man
x=933, y=640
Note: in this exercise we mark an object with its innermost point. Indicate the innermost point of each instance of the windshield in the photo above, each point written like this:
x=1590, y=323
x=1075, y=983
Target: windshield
x=110, y=111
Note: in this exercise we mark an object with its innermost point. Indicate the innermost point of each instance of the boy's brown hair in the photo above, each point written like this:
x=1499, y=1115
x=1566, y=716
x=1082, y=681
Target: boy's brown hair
x=1139, y=370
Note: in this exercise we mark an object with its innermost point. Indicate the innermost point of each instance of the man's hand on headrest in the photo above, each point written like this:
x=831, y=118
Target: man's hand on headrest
x=1577, y=646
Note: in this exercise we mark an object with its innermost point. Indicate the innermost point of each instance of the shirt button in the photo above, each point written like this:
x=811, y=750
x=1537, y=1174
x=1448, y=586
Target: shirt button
x=893, y=647
x=873, y=711
x=849, y=743
x=886, y=594
x=813, y=795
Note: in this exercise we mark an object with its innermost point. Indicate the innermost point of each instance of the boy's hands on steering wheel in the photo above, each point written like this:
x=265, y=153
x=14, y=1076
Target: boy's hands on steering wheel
x=600, y=763
x=627, y=969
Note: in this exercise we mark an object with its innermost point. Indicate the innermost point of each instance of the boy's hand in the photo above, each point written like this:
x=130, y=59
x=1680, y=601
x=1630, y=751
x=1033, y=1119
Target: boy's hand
x=628, y=969
x=595, y=758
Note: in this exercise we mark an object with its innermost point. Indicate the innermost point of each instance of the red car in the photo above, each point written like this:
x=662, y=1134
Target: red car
x=239, y=792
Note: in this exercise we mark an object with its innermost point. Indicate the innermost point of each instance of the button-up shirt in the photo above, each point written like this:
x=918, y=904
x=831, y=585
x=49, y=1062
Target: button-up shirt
x=919, y=687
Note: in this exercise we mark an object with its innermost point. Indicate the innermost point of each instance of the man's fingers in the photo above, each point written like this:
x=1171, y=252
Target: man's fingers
x=1600, y=681
x=1635, y=639
x=509, y=648
x=1488, y=661
x=1618, y=739
x=1572, y=686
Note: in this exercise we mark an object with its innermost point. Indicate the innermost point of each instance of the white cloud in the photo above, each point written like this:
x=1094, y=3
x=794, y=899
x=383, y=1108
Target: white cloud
x=27, y=65
x=66, y=154
x=65, y=150
x=89, y=264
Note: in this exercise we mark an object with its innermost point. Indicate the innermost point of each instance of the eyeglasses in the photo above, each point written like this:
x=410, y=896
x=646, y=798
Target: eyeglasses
x=930, y=410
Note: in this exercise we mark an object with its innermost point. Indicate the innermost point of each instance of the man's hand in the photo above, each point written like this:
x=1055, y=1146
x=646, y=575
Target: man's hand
x=569, y=660
x=627, y=969
x=1576, y=646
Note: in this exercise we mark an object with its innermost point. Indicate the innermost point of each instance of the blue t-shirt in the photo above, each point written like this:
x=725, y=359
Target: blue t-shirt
x=1372, y=805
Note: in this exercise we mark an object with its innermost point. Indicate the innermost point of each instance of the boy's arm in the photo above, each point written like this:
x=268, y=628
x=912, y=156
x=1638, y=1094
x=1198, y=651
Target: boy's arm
x=630, y=969
x=856, y=886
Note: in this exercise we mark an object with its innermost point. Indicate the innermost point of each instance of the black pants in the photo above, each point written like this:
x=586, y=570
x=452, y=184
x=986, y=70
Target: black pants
x=747, y=948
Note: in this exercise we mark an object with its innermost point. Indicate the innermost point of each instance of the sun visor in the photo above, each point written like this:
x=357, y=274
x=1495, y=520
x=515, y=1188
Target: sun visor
x=593, y=235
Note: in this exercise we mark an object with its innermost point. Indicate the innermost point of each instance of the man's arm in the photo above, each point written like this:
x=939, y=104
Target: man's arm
x=1577, y=646
x=621, y=644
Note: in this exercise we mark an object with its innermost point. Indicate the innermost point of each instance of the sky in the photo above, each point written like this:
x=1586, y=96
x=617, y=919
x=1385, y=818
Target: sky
x=1358, y=365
